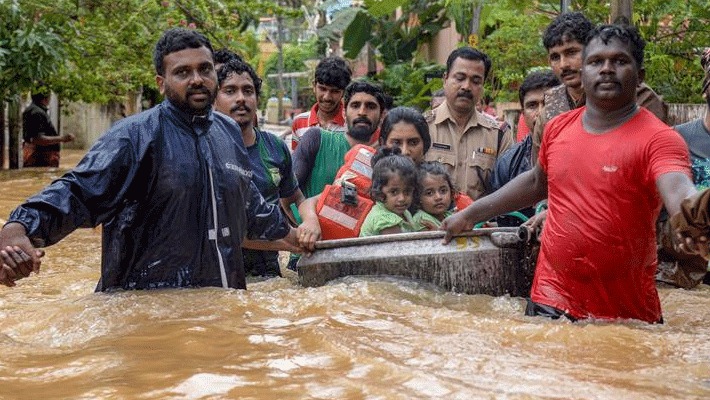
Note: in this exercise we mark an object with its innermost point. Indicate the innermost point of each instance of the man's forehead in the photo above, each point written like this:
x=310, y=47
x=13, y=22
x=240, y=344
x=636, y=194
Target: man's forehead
x=363, y=97
x=535, y=94
x=461, y=63
x=189, y=56
x=612, y=44
x=239, y=78
x=327, y=87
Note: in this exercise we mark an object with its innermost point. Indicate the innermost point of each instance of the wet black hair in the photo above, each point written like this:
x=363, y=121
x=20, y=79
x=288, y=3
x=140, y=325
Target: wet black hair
x=409, y=115
x=177, y=39
x=469, y=53
x=333, y=71
x=389, y=102
x=626, y=34
x=224, y=55
x=386, y=163
x=236, y=67
x=544, y=79
x=566, y=27
x=437, y=169
x=360, y=86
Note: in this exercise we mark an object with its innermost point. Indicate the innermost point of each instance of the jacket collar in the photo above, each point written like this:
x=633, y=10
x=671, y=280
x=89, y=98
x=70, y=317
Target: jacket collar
x=197, y=122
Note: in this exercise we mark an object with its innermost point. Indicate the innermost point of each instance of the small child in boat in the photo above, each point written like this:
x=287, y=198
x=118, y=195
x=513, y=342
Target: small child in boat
x=394, y=185
x=436, y=195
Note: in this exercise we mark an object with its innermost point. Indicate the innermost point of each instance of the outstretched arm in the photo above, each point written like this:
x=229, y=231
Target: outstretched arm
x=523, y=191
x=688, y=210
x=44, y=140
x=674, y=187
x=18, y=257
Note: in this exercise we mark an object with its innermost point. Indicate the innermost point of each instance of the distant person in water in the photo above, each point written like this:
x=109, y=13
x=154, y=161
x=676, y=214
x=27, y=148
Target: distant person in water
x=42, y=142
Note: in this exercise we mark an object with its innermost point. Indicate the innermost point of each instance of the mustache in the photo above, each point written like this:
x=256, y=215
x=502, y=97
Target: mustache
x=465, y=94
x=237, y=108
x=567, y=72
x=200, y=90
x=362, y=120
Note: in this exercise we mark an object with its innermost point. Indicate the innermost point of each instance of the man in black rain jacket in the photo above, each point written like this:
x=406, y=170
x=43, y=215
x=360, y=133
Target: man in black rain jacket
x=171, y=186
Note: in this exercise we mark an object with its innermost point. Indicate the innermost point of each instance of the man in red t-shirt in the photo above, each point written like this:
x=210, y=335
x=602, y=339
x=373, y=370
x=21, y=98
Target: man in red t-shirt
x=606, y=168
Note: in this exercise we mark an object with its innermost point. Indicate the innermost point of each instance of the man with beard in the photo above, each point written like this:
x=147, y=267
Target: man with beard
x=319, y=156
x=607, y=168
x=171, y=186
x=676, y=268
x=332, y=76
x=238, y=97
x=467, y=141
x=321, y=152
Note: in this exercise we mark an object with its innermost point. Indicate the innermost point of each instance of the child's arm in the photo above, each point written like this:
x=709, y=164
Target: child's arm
x=391, y=230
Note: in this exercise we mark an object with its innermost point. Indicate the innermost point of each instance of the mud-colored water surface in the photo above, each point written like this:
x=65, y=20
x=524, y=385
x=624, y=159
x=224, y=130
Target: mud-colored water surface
x=357, y=338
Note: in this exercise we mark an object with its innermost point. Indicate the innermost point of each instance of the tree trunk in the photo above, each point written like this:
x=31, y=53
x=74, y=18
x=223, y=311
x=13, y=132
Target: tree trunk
x=2, y=133
x=621, y=8
x=280, y=49
x=476, y=20
x=564, y=6
x=13, y=122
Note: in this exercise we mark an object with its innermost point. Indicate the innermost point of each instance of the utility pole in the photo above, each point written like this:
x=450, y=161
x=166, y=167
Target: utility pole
x=280, y=49
x=564, y=6
x=621, y=8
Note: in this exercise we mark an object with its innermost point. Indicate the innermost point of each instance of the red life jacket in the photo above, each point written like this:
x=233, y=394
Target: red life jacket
x=461, y=200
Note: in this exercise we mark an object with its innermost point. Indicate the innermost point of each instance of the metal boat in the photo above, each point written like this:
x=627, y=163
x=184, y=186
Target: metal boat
x=493, y=261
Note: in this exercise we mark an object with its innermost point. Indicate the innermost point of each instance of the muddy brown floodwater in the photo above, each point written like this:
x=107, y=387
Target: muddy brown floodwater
x=357, y=338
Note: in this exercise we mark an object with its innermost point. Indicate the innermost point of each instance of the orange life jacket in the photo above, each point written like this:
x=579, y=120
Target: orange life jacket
x=343, y=206
x=357, y=169
x=341, y=211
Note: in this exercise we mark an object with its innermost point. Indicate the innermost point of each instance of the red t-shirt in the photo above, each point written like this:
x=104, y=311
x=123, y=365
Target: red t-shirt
x=523, y=129
x=306, y=120
x=598, y=253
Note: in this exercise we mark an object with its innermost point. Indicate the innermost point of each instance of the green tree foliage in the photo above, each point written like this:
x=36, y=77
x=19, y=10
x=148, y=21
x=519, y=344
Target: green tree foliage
x=414, y=91
x=30, y=50
x=294, y=57
x=511, y=33
x=396, y=39
x=99, y=50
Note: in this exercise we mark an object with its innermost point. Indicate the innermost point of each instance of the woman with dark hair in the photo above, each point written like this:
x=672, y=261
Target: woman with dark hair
x=406, y=128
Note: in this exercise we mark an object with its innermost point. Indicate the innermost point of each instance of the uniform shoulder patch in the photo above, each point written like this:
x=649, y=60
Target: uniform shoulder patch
x=487, y=120
x=430, y=116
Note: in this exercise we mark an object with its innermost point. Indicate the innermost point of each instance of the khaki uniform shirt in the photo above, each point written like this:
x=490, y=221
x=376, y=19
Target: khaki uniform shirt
x=557, y=101
x=471, y=156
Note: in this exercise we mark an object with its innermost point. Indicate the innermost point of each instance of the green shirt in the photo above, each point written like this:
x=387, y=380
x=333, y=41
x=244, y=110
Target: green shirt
x=380, y=218
x=423, y=216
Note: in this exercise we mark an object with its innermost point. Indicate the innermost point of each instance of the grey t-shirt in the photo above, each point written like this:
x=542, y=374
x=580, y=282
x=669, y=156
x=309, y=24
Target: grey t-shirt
x=698, y=139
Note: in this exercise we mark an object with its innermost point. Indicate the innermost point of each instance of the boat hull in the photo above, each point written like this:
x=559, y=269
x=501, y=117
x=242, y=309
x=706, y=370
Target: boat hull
x=493, y=262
